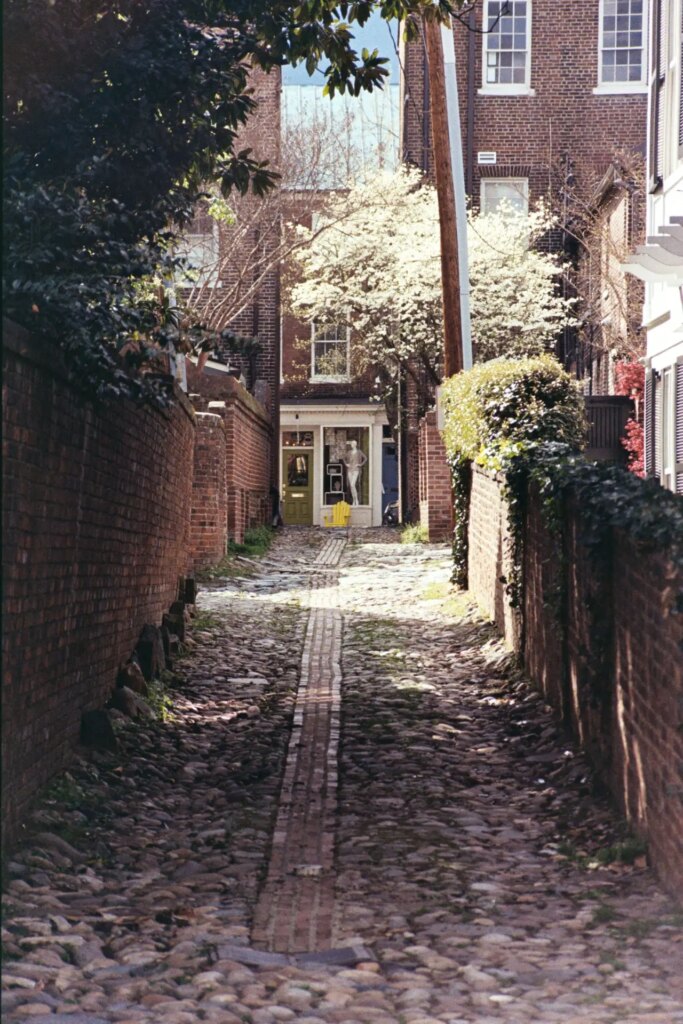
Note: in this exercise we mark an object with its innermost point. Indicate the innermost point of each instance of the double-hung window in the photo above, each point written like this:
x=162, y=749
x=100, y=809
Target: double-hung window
x=330, y=351
x=622, y=56
x=507, y=46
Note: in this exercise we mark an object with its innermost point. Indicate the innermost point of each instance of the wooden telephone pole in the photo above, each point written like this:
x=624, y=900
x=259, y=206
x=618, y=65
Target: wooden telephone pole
x=443, y=172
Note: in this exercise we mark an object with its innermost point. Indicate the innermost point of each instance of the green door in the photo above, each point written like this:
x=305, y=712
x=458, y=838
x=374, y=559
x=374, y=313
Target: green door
x=297, y=486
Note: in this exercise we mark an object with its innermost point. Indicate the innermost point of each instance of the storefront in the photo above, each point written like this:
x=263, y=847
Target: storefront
x=329, y=453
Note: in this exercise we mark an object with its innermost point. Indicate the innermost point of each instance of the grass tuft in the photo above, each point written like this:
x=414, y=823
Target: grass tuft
x=415, y=533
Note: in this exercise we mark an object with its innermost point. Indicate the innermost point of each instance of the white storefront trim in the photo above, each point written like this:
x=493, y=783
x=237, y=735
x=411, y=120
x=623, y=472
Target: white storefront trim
x=315, y=418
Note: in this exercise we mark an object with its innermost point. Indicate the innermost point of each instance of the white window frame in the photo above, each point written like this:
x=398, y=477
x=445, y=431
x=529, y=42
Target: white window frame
x=506, y=88
x=338, y=378
x=521, y=183
x=622, y=88
x=202, y=280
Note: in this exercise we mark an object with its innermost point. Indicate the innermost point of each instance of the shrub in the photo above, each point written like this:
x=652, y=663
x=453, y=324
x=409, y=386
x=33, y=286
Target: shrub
x=257, y=540
x=497, y=407
x=496, y=410
x=630, y=380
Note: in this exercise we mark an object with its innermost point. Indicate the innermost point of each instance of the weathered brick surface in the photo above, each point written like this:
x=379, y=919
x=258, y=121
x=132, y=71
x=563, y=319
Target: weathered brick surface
x=436, y=503
x=488, y=552
x=209, y=515
x=248, y=448
x=96, y=506
x=297, y=369
x=531, y=134
x=614, y=669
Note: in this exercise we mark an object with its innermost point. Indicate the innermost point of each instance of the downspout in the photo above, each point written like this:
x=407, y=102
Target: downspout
x=426, y=119
x=471, y=60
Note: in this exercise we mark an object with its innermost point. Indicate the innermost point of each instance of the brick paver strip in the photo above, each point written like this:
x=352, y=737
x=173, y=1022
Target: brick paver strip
x=294, y=912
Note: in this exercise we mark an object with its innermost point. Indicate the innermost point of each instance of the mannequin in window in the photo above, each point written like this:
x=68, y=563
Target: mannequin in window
x=354, y=460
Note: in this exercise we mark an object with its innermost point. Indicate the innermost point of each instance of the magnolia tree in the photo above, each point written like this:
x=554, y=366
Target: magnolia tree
x=377, y=268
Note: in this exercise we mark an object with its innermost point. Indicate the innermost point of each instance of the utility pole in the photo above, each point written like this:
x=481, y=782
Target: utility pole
x=456, y=342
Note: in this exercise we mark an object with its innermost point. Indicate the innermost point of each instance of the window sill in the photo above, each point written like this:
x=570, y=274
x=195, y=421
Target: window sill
x=506, y=90
x=329, y=380
x=620, y=89
x=188, y=286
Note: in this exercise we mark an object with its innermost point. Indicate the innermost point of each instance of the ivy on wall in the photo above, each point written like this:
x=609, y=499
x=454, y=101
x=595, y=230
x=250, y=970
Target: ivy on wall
x=525, y=419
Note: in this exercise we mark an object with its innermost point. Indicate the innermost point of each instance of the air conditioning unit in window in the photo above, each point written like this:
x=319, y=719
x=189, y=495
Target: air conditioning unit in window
x=486, y=157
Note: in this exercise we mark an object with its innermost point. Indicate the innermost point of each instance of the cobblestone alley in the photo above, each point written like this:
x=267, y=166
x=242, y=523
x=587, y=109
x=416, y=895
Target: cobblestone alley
x=356, y=813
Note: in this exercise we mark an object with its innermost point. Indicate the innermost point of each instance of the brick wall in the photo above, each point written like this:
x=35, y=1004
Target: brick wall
x=209, y=514
x=488, y=552
x=96, y=506
x=436, y=503
x=530, y=134
x=297, y=369
x=614, y=670
x=248, y=448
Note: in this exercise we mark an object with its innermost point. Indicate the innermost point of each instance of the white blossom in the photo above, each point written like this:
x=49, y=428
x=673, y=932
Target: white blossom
x=377, y=268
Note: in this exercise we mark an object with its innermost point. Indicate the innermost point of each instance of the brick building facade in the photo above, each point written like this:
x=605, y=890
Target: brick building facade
x=548, y=109
x=236, y=266
x=331, y=410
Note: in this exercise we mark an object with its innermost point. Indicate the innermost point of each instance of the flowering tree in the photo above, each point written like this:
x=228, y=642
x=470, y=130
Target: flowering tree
x=238, y=243
x=516, y=306
x=377, y=268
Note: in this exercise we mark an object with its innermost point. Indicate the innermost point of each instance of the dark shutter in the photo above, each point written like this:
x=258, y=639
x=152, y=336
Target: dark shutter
x=657, y=413
x=678, y=424
x=648, y=424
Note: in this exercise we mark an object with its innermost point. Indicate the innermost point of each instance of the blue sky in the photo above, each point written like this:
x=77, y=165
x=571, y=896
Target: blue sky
x=375, y=34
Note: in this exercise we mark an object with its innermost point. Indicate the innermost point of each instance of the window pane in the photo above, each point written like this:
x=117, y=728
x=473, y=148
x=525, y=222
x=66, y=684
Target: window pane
x=330, y=350
x=506, y=42
x=622, y=41
x=514, y=191
x=346, y=466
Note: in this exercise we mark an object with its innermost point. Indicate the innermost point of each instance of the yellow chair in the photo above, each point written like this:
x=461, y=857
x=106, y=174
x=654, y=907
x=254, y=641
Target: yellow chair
x=341, y=513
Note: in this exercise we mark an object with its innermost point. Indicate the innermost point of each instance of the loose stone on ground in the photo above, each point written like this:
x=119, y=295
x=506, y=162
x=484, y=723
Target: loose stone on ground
x=467, y=831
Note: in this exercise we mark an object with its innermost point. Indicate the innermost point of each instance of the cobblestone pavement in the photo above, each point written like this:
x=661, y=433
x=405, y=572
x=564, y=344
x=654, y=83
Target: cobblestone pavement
x=473, y=860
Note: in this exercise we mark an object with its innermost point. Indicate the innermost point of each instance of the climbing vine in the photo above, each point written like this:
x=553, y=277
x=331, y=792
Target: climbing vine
x=461, y=477
x=607, y=496
x=525, y=420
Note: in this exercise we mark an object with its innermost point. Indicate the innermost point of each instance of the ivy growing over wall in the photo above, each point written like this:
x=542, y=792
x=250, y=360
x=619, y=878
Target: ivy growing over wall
x=608, y=498
x=525, y=419
x=491, y=413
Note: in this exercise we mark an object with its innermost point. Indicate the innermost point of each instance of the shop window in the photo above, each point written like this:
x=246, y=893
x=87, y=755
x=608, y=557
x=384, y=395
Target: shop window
x=346, y=465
